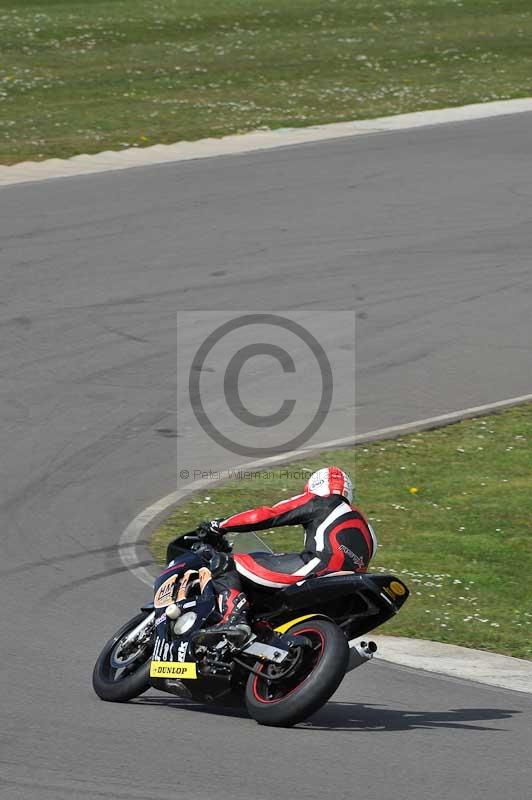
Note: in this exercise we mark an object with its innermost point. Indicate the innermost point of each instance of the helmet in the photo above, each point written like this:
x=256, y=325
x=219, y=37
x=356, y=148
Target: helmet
x=330, y=480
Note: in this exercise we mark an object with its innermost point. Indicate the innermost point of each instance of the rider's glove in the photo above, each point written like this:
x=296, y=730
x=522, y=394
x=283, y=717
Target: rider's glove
x=212, y=529
x=205, y=529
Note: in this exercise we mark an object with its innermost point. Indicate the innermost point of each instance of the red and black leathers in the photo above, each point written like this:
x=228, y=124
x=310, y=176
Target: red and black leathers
x=337, y=538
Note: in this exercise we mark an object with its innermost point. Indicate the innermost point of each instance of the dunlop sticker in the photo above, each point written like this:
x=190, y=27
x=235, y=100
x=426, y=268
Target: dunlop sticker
x=173, y=669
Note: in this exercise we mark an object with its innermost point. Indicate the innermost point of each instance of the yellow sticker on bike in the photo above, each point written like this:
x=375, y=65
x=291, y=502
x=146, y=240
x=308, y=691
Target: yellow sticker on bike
x=173, y=669
x=397, y=588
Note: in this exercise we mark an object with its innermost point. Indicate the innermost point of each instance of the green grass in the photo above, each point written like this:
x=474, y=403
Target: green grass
x=462, y=541
x=86, y=76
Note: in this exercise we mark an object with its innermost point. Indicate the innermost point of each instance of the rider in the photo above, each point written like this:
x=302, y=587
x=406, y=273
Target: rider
x=337, y=538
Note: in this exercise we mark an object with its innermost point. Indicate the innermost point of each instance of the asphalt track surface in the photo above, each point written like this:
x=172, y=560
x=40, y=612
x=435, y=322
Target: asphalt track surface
x=428, y=235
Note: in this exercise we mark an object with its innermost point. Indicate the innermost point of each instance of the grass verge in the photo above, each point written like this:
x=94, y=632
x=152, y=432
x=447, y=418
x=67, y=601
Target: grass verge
x=84, y=77
x=453, y=513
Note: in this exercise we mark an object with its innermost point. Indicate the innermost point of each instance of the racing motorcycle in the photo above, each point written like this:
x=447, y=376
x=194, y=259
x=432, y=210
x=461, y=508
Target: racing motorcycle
x=304, y=638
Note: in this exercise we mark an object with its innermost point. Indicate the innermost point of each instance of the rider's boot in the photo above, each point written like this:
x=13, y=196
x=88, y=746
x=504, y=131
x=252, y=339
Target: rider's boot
x=234, y=608
x=234, y=625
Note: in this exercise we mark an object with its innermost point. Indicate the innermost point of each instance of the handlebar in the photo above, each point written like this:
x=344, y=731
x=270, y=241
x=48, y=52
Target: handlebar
x=192, y=541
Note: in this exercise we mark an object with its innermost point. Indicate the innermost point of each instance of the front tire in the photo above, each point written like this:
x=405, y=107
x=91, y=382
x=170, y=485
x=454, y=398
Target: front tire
x=118, y=681
x=317, y=672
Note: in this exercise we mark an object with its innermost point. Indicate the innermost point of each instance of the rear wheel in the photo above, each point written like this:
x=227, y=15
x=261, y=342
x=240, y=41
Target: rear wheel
x=122, y=670
x=285, y=694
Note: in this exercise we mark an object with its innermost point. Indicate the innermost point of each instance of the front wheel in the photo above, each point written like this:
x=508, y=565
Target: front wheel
x=122, y=670
x=287, y=693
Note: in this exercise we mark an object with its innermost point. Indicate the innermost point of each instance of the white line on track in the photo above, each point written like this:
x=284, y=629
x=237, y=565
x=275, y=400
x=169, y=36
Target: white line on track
x=109, y=160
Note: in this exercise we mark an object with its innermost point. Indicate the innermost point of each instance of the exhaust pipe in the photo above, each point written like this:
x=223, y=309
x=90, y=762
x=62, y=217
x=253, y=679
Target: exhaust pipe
x=359, y=653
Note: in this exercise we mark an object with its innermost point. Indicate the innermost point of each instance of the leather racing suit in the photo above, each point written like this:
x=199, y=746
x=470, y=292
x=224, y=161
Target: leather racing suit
x=337, y=538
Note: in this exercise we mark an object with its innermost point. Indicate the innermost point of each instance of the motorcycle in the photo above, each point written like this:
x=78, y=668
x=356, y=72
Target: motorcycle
x=304, y=638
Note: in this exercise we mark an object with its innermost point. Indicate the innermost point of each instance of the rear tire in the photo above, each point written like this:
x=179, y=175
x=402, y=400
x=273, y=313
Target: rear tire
x=120, y=685
x=317, y=676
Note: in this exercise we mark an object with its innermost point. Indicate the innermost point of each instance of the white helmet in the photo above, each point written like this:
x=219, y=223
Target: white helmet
x=330, y=480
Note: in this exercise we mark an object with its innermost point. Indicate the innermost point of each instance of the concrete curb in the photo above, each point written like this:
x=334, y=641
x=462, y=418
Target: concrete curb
x=108, y=160
x=492, y=669
x=459, y=662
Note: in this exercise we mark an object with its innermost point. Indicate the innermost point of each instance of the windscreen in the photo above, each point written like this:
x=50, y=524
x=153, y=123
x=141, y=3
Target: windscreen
x=248, y=543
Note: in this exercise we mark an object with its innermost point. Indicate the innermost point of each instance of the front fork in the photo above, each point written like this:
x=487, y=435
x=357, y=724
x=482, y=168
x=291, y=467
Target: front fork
x=141, y=633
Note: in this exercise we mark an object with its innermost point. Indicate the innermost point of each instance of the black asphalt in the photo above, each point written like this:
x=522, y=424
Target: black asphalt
x=427, y=234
